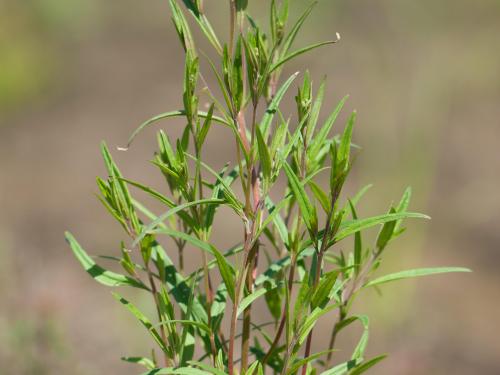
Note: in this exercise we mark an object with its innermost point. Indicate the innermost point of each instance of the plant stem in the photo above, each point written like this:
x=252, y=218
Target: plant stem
x=247, y=318
x=232, y=24
x=309, y=337
x=279, y=332
x=331, y=345
x=154, y=291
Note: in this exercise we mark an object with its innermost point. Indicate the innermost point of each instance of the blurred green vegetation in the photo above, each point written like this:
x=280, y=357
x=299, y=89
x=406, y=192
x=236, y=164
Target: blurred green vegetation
x=32, y=33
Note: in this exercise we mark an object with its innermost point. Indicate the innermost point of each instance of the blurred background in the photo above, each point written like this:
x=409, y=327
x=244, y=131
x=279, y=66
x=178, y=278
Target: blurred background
x=425, y=79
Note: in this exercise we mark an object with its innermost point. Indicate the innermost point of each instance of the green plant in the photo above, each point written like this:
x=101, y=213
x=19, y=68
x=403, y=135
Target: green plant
x=306, y=276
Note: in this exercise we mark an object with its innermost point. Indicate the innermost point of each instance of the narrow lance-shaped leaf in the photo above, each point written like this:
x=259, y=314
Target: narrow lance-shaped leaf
x=358, y=244
x=146, y=362
x=300, y=52
x=310, y=322
x=187, y=342
x=182, y=27
x=315, y=110
x=163, y=199
x=409, y=274
x=359, y=351
x=322, y=291
x=348, y=228
x=345, y=142
x=274, y=216
x=230, y=196
x=278, y=221
x=145, y=322
x=307, y=210
x=205, y=26
x=186, y=237
x=297, y=365
x=162, y=116
x=265, y=158
x=248, y=300
x=403, y=205
x=296, y=27
x=366, y=365
x=386, y=233
x=206, y=127
x=171, y=212
x=177, y=371
x=320, y=195
x=273, y=106
x=343, y=368
x=98, y=273
x=227, y=273
x=319, y=140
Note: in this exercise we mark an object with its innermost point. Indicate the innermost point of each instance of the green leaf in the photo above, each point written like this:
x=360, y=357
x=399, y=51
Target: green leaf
x=403, y=205
x=311, y=320
x=273, y=300
x=315, y=110
x=274, y=105
x=226, y=272
x=297, y=365
x=177, y=371
x=162, y=116
x=265, y=158
x=145, y=321
x=277, y=268
x=202, y=135
x=241, y=5
x=146, y=362
x=363, y=367
x=359, y=351
x=273, y=216
x=230, y=196
x=210, y=369
x=253, y=368
x=358, y=244
x=202, y=21
x=345, y=142
x=278, y=221
x=321, y=196
x=186, y=237
x=306, y=208
x=98, y=273
x=194, y=323
x=182, y=27
x=323, y=290
x=342, y=368
x=296, y=27
x=298, y=53
x=218, y=306
x=319, y=140
x=414, y=273
x=248, y=300
x=163, y=199
x=348, y=228
x=148, y=228
x=386, y=233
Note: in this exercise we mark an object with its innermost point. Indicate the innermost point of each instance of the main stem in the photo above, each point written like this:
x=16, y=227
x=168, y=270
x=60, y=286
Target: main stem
x=252, y=262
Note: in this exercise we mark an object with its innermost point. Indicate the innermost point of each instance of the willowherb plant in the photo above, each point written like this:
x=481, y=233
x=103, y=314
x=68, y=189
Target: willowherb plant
x=288, y=255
